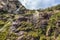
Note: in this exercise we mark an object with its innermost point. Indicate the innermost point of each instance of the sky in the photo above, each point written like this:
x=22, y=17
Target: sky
x=37, y=4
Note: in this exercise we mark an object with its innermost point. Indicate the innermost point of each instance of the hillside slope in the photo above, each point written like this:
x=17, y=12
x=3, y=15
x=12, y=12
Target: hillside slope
x=29, y=24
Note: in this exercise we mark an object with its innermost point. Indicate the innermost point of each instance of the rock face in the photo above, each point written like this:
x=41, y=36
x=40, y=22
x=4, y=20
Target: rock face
x=12, y=6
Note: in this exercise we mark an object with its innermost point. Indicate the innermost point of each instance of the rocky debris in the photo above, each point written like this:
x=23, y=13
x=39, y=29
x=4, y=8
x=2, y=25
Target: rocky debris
x=23, y=19
x=58, y=23
x=43, y=23
x=20, y=38
x=20, y=33
x=21, y=27
x=16, y=24
x=12, y=29
x=41, y=19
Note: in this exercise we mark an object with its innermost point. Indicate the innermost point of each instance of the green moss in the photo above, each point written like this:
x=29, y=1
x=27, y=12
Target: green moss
x=1, y=23
x=3, y=35
x=42, y=37
x=58, y=38
x=33, y=34
x=4, y=31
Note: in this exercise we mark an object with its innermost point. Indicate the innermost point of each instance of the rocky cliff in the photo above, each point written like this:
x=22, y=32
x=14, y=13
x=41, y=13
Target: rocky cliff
x=12, y=6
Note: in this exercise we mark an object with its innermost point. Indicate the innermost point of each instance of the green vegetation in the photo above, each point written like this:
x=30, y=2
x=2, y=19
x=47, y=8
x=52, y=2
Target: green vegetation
x=4, y=31
x=27, y=27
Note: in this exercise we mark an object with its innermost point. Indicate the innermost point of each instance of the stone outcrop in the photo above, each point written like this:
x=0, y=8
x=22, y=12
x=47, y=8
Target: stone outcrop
x=12, y=6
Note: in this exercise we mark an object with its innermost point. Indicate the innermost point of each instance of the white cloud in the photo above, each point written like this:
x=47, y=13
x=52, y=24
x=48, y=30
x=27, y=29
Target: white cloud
x=36, y=4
